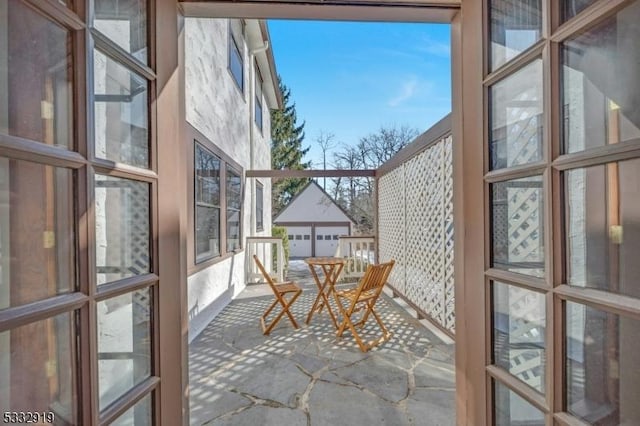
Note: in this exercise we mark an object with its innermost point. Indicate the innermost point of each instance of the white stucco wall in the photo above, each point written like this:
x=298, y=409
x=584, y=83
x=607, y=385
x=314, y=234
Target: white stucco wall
x=220, y=111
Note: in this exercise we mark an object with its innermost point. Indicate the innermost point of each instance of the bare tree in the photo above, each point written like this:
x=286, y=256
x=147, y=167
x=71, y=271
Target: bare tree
x=381, y=146
x=326, y=142
x=355, y=195
x=349, y=159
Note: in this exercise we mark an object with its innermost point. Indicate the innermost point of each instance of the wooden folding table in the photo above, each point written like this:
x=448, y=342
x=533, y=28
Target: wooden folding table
x=331, y=267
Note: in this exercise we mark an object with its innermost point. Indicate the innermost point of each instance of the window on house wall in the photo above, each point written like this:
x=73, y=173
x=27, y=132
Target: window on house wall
x=259, y=206
x=258, y=101
x=217, y=203
x=236, y=62
x=234, y=209
x=207, y=204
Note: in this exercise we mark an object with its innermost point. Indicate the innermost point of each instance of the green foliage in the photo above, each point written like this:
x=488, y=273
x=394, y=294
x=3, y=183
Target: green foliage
x=280, y=232
x=287, y=151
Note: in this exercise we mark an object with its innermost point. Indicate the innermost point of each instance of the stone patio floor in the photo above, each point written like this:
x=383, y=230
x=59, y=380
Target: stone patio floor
x=292, y=377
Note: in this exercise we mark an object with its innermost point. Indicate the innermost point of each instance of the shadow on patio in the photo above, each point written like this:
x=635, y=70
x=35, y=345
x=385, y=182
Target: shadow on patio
x=307, y=377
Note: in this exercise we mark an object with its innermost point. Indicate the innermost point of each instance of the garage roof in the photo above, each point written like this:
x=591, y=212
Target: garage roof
x=312, y=204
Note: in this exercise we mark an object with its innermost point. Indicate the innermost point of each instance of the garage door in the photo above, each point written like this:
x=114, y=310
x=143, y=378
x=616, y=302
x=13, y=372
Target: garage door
x=299, y=241
x=327, y=239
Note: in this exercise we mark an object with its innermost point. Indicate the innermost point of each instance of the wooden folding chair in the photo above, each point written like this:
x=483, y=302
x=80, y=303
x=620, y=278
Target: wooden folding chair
x=279, y=290
x=363, y=298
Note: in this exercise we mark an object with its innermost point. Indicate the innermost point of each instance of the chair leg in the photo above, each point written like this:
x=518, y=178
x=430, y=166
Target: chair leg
x=386, y=334
x=356, y=335
x=346, y=322
x=285, y=310
x=270, y=308
x=342, y=327
x=365, y=317
x=344, y=314
x=380, y=323
x=289, y=314
x=274, y=322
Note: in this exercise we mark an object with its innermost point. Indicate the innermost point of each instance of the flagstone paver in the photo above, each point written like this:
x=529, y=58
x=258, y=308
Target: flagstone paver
x=238, y=376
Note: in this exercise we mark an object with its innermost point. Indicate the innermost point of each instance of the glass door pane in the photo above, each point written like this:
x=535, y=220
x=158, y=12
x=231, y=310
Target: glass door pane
x=36, y=89
x=516, y=118
x=603, y=366
x=121, y=103
x=123, y=228
x=511, y=409
x=519, y=323
x=125, y=23
x=138, y=415
x=602, y=206
x=37, y=372
x=515, y=26
x=600, y=88
x=37, y=245
x=518, y=226
x=124, y=343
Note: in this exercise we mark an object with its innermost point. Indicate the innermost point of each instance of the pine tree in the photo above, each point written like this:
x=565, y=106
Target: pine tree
x=287, y=151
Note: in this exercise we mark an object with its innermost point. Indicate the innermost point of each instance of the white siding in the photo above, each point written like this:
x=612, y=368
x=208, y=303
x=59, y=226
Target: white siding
x=312, y=205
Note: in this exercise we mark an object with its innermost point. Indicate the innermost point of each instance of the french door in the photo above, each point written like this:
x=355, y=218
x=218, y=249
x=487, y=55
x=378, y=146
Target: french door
x=79, y=277
x=562, y=212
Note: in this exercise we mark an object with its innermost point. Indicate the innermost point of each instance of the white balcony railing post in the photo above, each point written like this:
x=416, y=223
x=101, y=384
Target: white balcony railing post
x=359, y=252
x=262, y=247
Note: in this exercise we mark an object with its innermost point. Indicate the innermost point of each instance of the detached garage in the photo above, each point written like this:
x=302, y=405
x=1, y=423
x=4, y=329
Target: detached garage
x=314, y=222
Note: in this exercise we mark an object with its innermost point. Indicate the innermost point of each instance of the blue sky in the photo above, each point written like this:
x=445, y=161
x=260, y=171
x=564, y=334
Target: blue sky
x=351, y=78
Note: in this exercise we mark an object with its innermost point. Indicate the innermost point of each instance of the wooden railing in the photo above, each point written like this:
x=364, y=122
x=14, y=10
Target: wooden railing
x=359, y=251
x=263, y=248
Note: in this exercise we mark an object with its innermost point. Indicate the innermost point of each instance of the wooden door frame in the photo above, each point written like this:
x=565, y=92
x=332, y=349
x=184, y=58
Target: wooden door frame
x=470, y=221
x=471, y=192
x=173, y=401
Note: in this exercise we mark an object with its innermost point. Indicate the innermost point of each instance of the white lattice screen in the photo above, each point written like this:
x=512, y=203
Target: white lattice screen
x=391, y=227
x=415, y=224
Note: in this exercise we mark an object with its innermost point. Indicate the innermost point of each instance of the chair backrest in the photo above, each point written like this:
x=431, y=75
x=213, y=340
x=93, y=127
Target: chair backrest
x=375, y=277
x=265, y=274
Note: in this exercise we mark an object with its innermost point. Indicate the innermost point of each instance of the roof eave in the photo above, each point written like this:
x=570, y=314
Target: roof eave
x=264, y=29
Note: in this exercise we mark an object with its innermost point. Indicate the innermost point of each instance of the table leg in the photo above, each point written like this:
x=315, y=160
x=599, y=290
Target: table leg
x=320, y=292
x=324, y=290
x=330, y=280
x=333, y=273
